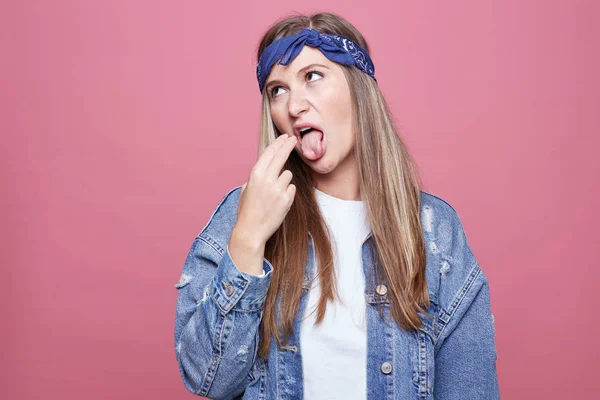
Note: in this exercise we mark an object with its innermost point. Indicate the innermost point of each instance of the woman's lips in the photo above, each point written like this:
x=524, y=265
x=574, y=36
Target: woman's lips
x=302, y=125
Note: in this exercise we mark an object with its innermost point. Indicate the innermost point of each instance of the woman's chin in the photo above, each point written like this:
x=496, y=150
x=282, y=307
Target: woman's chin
x=322, y=165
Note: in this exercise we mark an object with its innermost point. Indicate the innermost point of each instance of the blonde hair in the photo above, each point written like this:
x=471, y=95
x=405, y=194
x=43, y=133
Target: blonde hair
x=389, y=186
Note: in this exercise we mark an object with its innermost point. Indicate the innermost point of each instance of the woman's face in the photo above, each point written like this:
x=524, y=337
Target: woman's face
x=313, y=90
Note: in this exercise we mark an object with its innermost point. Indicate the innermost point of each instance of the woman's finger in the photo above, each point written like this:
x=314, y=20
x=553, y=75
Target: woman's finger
x=282, y=154
x=265, y=158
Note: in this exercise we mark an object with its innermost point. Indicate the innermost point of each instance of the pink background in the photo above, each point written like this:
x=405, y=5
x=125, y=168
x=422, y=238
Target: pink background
x=125, y=122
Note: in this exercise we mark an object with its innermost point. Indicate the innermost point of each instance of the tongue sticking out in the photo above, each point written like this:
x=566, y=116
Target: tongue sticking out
x=312, y=145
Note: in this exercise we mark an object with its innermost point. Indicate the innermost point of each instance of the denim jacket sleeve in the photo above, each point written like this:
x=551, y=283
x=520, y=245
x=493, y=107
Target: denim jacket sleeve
x=465, y=353
x=218, y=313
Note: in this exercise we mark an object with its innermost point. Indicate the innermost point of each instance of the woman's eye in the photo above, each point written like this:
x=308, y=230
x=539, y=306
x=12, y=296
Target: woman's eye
x=315, y=73
x=274, y=91
x=308, y=74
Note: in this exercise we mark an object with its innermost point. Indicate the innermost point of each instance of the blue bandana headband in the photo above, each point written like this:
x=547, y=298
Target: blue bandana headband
x=336, y=48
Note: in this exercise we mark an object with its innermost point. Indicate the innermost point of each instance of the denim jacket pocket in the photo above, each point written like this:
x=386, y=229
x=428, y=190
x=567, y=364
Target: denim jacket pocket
x=423, y=364
x=422, y=352
x=256, y=387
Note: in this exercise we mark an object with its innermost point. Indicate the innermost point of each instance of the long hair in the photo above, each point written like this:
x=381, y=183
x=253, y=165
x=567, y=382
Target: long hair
x=389, y=186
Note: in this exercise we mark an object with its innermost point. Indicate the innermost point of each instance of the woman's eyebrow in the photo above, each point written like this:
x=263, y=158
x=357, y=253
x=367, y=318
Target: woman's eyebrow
x=300, y=71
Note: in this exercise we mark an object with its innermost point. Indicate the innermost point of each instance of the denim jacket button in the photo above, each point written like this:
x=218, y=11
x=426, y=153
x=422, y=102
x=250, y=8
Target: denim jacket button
x=381, y=290
x=229, y=290
x=386, y=367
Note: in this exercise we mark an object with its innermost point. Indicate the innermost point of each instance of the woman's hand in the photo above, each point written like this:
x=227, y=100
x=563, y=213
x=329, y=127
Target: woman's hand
x=267, y=196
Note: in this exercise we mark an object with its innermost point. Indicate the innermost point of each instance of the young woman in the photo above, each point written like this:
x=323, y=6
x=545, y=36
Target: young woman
x=330, y=274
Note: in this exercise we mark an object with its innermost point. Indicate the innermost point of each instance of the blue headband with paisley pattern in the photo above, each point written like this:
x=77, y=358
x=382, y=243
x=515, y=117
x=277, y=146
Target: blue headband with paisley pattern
x=336, y=48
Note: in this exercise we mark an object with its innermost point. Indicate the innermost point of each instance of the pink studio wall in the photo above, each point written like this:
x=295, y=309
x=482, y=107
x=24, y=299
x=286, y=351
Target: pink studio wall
x=124, y=123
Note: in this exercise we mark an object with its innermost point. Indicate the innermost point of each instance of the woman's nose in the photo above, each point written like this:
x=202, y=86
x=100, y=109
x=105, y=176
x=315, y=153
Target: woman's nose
x=297, y=103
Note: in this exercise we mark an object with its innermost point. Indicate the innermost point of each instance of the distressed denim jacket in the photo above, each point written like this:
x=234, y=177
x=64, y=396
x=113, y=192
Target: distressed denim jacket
x=219, y=308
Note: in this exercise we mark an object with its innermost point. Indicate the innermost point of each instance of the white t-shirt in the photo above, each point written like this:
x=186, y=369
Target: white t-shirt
x=334, y=353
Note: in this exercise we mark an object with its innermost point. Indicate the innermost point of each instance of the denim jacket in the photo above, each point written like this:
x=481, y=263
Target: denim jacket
x=219, y=309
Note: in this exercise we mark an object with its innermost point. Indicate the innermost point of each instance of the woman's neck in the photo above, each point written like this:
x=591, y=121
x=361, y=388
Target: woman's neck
x=343, y=182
